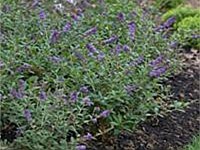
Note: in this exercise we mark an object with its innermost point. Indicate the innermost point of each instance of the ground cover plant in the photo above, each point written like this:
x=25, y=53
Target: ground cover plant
x=70, y=74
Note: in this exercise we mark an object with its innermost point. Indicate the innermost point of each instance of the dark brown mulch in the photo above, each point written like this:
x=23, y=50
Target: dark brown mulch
x=162, y=133
x=175, y=129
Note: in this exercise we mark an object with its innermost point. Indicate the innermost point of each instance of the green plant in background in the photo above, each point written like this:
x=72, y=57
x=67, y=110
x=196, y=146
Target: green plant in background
x=180, y=13
x=168, y=4
x=187, y=25
x=188, y=31
x=194, y=145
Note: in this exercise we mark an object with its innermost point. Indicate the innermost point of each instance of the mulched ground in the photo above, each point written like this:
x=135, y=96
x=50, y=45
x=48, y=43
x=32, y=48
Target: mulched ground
x=175, y=129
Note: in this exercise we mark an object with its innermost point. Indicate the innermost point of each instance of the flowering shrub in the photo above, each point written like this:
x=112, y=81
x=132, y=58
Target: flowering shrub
x=70, y=74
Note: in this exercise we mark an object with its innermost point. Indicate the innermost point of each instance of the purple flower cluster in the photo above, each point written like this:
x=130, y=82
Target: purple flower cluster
x=132, y=29
x=88, y=136
x=54, y=36
x=23, y=67
x=81, y=147
x=90, y=31
x=27, y=115
x=156, y=61
x=105, y=114
x=42, y=96
x=74, y=96
x=42, y=15
x=87, y=101
x=157, y=72
x=84, y=89
x=157, y=69
x=67, y=27
x=92, y=49
x=166, y=24
x=20, y=92
x=110, y=40
x=126, y=48
x=118, y=49
x=169, y=22
x=120, y=16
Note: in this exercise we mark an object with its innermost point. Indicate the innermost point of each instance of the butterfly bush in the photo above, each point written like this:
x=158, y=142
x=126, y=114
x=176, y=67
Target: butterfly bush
x=92, y=69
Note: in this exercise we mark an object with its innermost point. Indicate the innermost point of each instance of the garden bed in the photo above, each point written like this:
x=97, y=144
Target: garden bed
x=95, y=75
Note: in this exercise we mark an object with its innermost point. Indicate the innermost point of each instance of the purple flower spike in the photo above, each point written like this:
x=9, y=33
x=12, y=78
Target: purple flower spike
x=42, y=15
x=156, y=62
x=88, y=136
x=118, y=49
x=91, y=31
x=27, y=115
x=75, y=17
x=132, y=29
x=74, y=96
x=42, y=96
x=92, y=49
x=105, y=114
x=84, y=89
x=157, y=72
x=110, y=40
x=16, y=94
x=87, y=101
x=23, y=67
x=169, y=22
x=126, y=48
x=54, y=36
x=120, y=16
x=67, y=27
x=81, y=147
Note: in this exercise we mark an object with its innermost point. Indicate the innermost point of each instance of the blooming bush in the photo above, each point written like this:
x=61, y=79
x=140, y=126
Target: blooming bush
x=70, y=74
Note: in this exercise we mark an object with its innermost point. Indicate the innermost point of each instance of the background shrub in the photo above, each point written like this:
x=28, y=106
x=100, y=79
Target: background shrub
x=180, y=13
x=189, y=31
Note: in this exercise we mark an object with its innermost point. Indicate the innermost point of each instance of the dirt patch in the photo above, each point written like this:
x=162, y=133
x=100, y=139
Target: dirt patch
x=193, y=3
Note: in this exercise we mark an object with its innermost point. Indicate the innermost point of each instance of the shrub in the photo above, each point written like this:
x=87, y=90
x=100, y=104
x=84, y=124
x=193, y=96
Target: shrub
x=180, y=13
x=189, y=32
x=71, y=76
